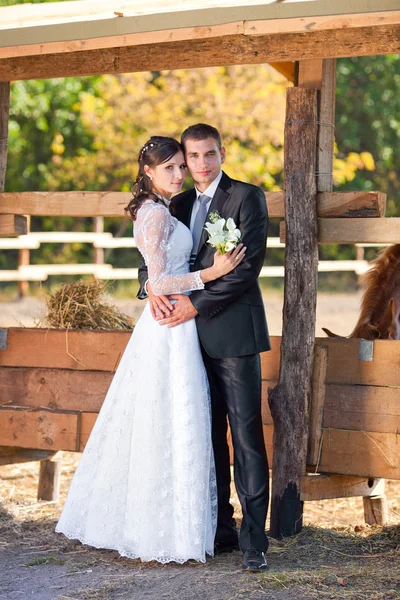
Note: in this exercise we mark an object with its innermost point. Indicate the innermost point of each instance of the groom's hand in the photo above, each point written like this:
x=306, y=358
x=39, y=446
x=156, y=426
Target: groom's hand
x=183, y=311
x=160, y=306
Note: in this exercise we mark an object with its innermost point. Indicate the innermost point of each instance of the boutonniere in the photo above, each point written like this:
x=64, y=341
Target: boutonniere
x=223, y=234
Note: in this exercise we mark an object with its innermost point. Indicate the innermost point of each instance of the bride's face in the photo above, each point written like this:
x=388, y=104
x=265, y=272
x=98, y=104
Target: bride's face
x=167, y=179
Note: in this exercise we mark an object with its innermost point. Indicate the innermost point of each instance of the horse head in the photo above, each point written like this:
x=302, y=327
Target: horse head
x=380, y=306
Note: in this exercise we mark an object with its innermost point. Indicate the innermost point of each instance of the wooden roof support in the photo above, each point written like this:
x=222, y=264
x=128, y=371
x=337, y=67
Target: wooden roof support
x=289, y=400
x=207, y=52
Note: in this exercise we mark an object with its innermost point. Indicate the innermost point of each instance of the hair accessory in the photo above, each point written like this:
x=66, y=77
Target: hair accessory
x=145, y=148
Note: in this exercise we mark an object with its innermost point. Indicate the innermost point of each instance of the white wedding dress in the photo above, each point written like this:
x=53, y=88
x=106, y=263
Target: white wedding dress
x=145, y=485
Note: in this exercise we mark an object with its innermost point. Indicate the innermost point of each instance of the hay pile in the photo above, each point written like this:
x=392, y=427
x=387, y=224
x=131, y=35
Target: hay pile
x=81, y=305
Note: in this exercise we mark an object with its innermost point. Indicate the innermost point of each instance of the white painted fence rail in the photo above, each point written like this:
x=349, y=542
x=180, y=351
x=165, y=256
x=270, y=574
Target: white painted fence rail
x=33, y=240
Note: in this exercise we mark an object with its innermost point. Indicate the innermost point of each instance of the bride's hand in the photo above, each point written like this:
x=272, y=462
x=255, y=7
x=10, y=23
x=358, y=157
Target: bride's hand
x=225, y=263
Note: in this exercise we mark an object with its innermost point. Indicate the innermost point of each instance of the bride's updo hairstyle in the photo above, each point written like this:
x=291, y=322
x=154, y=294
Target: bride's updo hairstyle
x=156, y=151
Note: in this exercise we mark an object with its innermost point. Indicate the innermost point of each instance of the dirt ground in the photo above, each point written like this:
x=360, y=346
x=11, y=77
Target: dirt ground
x=335, y=557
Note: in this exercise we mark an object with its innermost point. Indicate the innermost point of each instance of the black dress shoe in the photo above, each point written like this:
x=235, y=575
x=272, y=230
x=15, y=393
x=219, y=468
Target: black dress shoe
x=221, y=548
x=254, y=561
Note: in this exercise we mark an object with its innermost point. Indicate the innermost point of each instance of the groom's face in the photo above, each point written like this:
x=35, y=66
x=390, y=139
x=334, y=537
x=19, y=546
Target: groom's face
x=203, y=160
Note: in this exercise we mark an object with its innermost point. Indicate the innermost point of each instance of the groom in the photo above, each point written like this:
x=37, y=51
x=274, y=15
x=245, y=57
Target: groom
x=232, y=329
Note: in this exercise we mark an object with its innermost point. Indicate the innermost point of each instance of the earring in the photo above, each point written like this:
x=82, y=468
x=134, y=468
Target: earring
x=150, y=177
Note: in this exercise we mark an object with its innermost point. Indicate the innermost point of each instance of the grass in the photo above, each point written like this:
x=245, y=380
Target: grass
x=44, y=560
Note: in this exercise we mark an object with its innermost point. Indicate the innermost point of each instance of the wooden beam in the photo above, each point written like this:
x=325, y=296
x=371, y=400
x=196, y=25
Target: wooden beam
x=60, y=389
x=4, y=114
x=317, y=402
x=39, y=429
x=355, y=231
x=12, y=225
x=61, y=349
x=324, y=487
x=10, y=455
x=344, y=366
x=321, y=75
x=346, y=231
x=361, y=453
x=362, y=408
x=289, y=400
x=52, y=41
x=111, y=204
x=195, y=53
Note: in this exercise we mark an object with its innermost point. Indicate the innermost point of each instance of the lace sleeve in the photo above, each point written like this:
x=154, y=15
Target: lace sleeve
x=153, y=228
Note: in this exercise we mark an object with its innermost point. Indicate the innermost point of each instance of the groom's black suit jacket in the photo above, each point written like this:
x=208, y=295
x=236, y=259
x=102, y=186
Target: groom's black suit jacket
x=231, y=320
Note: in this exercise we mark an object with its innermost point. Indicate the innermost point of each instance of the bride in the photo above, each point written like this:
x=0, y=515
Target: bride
x=145, y=485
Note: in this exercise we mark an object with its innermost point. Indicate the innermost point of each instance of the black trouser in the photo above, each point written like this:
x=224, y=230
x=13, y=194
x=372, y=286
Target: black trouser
x=236, y=392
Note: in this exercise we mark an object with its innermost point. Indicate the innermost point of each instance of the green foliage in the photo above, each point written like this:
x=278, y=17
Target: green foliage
x=368, y=120
x=85, y=133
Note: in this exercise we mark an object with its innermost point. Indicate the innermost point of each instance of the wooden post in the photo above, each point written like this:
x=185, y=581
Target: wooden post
x=98, y=253
x=376, y=510
x=49, y=479
x=289, y=400
x=4, y=114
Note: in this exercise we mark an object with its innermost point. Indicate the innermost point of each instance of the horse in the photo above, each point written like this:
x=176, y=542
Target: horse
x=380, y=305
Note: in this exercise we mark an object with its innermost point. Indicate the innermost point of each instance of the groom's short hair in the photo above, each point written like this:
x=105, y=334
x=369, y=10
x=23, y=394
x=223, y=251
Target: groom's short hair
x=201, y=131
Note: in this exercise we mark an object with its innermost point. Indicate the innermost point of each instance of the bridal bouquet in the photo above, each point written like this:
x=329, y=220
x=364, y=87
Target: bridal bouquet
x=223, y=234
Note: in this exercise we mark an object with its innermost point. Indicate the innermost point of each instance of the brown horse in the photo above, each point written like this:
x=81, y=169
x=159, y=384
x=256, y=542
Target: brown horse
x=380, y=304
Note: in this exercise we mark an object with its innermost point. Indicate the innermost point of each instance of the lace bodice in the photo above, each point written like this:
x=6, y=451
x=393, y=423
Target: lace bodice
x=165, y=245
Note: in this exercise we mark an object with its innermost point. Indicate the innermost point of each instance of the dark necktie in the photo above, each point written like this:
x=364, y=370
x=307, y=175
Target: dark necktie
x=198, y=224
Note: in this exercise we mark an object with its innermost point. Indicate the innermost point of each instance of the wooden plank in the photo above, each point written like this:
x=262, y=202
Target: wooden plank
x=70, y=42
x=321, y=75
x=376, y=510
x=87, y=422
x=324, y=487
x=326, y=130
x=310, y=74
x=12, y=225
x=4, y=115
x=58, y=349
x=344, y=366
x=10, y=455
x=111, y=204
x=75, y=204
x=348, y=231
x=317, y=401
x=195, y=53
x=59, y=389
x=362, y=408
x=351, y=204
x=355, y=231
x=39, y=429
x=290, y=398
x=366, y=454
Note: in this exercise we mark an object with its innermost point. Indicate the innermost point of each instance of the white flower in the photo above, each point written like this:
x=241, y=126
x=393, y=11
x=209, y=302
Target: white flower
x=229, y=246
x=223, y=234
x=216, y=239
x=215, y=228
